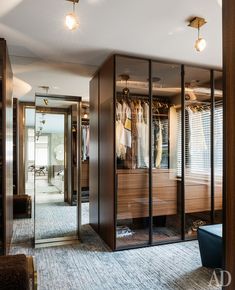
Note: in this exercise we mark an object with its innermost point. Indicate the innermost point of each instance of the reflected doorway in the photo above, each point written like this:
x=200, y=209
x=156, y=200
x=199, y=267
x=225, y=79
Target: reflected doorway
x=57, y=170
x=50, y=158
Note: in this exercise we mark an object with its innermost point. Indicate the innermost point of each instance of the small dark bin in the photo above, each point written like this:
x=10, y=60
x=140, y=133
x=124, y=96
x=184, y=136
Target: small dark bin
x=14, y=273
x=210, y=245
x=22, y=205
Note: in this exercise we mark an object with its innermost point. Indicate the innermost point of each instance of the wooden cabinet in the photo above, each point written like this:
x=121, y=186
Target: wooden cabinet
x=85, y=174
x=15, y=146
x=6, y=149
x=127, y=198
x=198, y=195
x=133, y=193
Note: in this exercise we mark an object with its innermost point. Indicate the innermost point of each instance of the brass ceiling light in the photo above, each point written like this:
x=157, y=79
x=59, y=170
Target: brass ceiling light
x=46, y=88
x=45, y=101
x=125, y=91
x=71, y=20
x=85, y=115
x=197, y=23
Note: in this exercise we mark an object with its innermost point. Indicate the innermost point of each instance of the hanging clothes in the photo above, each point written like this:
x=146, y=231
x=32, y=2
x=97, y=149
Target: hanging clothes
x=120, y=148
x=126, y=136
x=159, y=145
x=142, y=139
x=85, y=142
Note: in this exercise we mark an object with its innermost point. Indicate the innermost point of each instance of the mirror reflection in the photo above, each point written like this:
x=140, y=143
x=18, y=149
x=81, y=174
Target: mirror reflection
x=56, y=169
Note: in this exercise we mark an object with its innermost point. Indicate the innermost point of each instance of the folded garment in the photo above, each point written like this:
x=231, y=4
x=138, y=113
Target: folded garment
x=124, y=231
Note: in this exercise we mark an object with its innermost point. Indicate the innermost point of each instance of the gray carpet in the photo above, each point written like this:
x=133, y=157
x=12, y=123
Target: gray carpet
x=91, y=266
x=55, y=220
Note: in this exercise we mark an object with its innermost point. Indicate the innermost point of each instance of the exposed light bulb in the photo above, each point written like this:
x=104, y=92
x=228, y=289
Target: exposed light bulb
x=85, y=116
x=71, y=21
x=200, y=44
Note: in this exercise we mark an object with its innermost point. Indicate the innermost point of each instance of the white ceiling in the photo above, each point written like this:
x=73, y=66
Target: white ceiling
x=44, y=52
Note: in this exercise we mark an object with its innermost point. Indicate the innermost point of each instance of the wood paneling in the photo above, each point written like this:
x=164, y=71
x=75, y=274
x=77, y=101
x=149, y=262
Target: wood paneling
x=94, y=154
x=85, y=174
x=15, y=146
x=6, y=146
x=107, y=153
x=229, y=135
x=133, y=193
x=22, y=147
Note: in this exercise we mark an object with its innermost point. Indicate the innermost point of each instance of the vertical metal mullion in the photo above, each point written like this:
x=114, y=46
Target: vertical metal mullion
x=98, y=149
x=115, y=157
x=150, y=157
x=212, y=147
x=183, y=153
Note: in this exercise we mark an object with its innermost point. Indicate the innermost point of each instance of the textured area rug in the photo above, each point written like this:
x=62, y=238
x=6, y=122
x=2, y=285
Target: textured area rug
x=53, y=220
x=90, y=265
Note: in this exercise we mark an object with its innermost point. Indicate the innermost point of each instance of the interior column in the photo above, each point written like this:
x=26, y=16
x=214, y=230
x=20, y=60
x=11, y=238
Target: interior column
x=229, y=130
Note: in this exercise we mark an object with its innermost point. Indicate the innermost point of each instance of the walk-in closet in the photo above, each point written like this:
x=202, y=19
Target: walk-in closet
x=156, y=150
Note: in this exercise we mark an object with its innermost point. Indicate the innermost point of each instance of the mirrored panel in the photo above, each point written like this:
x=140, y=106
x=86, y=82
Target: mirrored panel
x=197, y=150
x=56, y=171
x=29, y=154
x=132, y=151
x=166, y=152
x=218, y=147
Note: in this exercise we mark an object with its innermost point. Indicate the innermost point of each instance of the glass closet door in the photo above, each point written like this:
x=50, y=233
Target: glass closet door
x=132, y=152
x=197, y=150
x=166, y=152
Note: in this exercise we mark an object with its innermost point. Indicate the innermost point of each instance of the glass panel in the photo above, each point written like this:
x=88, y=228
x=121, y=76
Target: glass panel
x=197, y=149
x=29, y=150
x=132, y=151
x=56, y=169
x=218, y=145
x=166, y=150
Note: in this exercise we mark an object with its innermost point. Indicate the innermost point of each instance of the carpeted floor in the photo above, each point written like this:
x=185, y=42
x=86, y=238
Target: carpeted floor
x=53, y=220
x=91, y=266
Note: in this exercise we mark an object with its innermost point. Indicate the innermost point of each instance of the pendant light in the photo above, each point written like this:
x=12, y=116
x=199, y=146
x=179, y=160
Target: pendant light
x=85, y=114
x=46, y=88
x=71, y=20
x=125, y=91
x=197, y=23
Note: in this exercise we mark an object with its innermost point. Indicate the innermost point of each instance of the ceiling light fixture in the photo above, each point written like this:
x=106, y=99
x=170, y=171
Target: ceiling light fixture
x=45, y=102
x=197, y=23
x=71, y=20
x=85, y=115
x=125, y=91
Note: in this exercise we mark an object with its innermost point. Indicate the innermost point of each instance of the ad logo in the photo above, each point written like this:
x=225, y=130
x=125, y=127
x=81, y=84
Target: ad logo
x=220, y=278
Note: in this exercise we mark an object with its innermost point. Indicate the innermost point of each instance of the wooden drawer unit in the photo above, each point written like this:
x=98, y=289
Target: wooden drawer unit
x=133, y=194
x=198, y=196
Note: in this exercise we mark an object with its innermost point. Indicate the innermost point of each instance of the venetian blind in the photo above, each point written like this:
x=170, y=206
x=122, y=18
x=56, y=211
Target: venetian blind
x=218, y=138
x=198, y=141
